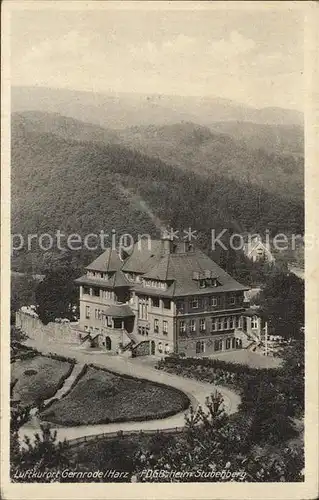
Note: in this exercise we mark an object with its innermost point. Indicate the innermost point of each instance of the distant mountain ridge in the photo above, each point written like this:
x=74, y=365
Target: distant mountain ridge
x=191, y=147
x=113, y=110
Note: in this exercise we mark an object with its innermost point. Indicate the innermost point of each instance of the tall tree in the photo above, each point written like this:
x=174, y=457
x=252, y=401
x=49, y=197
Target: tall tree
x=56, y=295
x=282, y=302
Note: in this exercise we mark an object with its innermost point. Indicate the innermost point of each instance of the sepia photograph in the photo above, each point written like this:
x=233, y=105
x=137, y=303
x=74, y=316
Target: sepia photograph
x=156, y=256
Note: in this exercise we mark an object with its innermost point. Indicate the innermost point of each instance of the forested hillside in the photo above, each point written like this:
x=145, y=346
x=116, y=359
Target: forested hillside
x=244, y=153
x=85, y=187
x=280, y=139
x=199, y=149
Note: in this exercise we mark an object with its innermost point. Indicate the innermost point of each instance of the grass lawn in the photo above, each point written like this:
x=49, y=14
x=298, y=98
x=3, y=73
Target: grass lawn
x=37, y=378
x=103, y=397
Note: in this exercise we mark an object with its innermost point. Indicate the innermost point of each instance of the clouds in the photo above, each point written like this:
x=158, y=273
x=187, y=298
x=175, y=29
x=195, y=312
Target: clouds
x=233, y=46
x=181, y=54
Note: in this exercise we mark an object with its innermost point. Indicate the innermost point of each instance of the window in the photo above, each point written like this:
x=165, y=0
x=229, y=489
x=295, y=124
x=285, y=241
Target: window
x=87, y=312
x=142, y=330
x=182, y=327
x=167, y=349
x=225, y=324
x=218, y=345
x=96, y=292
x=156, y=325
x=228, y=343
x=194, y=303
x=166, y=303
x=142, y=308
x=109, y=321
x=237, y=322
x=202, y=325
x=213, y=301
x=192, y=325
x=200, y=347
x=238, y=343
x=86, y=328
x=165, y=327
x=155, y=302
x=231, y=322
x=160, y=347
x=233, y=343
x=214, y=324
x=220, y=323
x=231, y=300
x=254, y=322
x=180, y=306
x=86, y=290
x=202, y=283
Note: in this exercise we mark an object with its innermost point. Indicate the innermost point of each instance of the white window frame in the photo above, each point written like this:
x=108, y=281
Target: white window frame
x=192, y=325
x=165, y=327
x=202, y=325
x=254, y=322
x=87, y=312
x=182, y=326
x=213, y=301
x=194, y=301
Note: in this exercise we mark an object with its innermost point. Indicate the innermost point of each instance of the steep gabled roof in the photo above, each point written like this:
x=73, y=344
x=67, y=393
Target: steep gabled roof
x=160, y=270
x=116, y=279
x=182, y=266
x=176, y=268
x=108, y=261
x=144, y=255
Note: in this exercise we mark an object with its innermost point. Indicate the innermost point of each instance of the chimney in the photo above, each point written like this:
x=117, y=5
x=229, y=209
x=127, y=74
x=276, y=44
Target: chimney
x=167, y=244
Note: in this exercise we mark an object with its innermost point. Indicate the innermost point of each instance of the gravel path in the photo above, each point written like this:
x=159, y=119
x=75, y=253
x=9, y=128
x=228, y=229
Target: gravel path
x=196, y=391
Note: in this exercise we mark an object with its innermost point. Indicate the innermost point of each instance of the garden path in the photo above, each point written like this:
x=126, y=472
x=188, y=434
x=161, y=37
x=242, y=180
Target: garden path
x=196, y=391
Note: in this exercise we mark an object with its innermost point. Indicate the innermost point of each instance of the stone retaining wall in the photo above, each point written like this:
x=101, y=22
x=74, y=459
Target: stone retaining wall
x=52, y=332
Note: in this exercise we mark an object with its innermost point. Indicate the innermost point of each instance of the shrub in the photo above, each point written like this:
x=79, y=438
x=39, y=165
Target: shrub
x=30, y=372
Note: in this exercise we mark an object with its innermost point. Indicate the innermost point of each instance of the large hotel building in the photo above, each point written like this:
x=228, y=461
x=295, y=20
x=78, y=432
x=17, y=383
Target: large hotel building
x=163, y=297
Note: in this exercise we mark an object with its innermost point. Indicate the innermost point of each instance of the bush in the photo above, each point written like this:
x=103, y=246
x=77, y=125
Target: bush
x=30, y=372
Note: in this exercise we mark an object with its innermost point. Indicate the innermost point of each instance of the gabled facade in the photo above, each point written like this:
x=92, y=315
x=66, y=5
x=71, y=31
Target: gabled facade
x=258, y=251
x=164, y=297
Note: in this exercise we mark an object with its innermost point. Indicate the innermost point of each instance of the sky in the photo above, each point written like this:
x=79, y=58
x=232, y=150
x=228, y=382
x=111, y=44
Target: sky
x=247, y=55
